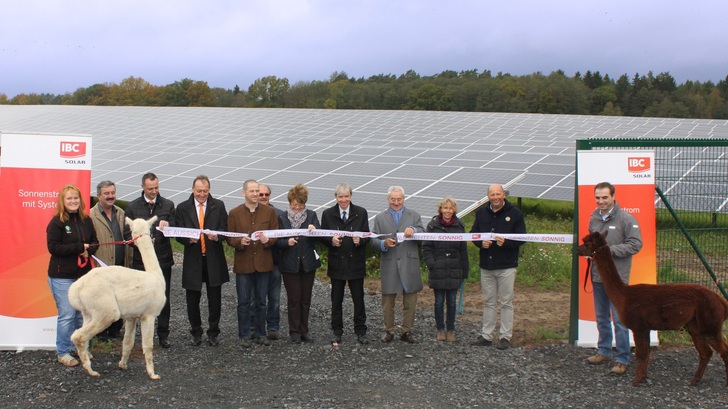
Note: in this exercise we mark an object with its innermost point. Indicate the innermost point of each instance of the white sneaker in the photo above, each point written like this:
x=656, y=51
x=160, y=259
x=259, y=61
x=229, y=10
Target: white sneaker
x=67, y=360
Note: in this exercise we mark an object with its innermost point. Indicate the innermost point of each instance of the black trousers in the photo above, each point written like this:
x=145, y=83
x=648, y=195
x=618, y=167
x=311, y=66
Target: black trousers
x=298, y=290
x=163, y=318
x=356, y=287
x=214, y=307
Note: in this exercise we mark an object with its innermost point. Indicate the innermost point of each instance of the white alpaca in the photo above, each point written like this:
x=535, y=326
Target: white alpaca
x=106, y=294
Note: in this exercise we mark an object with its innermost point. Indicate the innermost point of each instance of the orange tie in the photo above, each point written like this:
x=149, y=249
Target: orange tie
x=202, y=226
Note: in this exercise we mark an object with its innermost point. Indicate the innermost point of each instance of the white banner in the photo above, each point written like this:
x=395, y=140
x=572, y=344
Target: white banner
x=535, y=238
x=271, y=234
x=274, y=234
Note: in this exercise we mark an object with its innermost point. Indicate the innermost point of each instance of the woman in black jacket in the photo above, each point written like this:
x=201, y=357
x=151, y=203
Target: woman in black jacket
x=71, y=240
x=299, y=262
x=448, y=265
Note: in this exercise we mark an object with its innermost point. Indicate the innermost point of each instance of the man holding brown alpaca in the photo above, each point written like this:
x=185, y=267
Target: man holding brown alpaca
x=625, y=240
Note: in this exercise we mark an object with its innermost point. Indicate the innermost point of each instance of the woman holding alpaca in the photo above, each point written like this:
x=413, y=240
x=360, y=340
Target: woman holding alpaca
x=71, y=240
x=299, y=262
x=448, y=265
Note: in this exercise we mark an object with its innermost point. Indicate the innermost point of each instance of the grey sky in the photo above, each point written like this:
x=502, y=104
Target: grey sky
x=58, y=46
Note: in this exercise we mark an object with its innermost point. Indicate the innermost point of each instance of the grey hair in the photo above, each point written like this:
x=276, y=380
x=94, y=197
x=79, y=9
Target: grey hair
x=342, y=187
x=103, y=184
x=395, y=189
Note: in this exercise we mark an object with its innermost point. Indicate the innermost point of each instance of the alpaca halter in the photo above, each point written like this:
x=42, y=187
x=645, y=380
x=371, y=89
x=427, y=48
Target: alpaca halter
x=606, y=246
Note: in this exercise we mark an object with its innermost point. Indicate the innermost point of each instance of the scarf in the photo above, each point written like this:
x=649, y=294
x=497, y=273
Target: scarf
x=296, y=217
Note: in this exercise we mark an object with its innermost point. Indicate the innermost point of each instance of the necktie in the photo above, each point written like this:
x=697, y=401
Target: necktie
x=343, y=216
x=202, y=226
x=151, y=207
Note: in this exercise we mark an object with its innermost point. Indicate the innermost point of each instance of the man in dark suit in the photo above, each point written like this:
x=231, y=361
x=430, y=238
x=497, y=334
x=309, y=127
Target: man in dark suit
x=347, y=261
x=399, y=263
x=149, y=204
x=204, y=258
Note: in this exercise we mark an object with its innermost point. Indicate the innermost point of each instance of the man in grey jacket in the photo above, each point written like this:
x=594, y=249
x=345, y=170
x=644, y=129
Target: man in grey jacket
x=625, y=240
x=399, y=263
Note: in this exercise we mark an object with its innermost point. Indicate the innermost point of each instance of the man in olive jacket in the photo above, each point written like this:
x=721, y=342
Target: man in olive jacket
x=204, y=260
x=109, y=222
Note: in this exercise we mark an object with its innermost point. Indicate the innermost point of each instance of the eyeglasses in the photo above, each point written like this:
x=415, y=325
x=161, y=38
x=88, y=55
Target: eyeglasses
x=263, y=194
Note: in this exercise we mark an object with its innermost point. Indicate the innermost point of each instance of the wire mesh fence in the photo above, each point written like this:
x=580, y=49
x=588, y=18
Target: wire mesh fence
x=692, y=209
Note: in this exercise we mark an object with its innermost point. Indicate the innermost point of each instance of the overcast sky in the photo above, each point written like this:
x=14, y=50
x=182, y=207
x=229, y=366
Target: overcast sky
x=58, y=46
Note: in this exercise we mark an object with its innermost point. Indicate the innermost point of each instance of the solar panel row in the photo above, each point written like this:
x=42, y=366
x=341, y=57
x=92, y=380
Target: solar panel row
x=430, y=154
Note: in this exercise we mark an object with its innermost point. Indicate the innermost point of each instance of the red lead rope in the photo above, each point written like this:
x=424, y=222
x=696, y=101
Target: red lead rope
x=117, y=242
x=83, y=261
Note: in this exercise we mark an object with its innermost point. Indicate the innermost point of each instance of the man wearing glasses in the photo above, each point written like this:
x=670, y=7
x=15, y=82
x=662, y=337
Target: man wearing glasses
x=273, y=315
x=399, y=263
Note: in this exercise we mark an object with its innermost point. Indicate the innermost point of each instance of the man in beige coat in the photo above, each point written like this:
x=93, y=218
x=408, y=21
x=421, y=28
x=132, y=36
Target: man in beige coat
x=399, y=263
x=108, y=220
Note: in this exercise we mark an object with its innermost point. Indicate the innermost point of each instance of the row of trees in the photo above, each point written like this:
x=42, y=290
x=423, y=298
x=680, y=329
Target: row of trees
x=469, y=91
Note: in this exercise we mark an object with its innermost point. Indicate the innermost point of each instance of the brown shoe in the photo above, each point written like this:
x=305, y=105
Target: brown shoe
x=450, y=336
x=440, y=336
x=598, y=359
x=388, y=337
x=619, y=369
x=409, y=338
x=67, y=360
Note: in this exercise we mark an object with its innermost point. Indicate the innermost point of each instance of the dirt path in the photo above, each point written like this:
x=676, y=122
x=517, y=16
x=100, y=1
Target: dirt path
x=540, y=316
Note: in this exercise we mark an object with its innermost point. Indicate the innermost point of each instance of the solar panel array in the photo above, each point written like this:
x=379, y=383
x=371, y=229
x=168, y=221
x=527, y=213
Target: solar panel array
x=430, y=154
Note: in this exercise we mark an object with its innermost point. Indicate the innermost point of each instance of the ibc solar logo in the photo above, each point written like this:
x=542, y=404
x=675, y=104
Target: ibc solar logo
x=73, y=149
x=638, y=164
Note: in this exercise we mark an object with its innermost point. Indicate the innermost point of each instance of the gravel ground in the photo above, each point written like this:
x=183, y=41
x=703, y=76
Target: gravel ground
x=428, y=375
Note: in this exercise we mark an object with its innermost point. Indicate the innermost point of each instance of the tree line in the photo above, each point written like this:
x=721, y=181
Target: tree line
x=590, y=93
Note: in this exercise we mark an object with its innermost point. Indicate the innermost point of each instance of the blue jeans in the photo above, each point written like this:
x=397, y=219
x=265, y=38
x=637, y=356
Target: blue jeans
x=246, y=285
x=273, y=316
x=440, y=297
x=605, y=312
x=69, y=319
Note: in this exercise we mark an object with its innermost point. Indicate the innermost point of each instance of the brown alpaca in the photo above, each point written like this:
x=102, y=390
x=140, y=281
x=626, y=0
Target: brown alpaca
x=646, y=307
x=106, y=294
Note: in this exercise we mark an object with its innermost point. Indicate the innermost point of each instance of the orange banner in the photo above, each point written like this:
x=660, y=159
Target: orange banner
x=34, y=168
x=632, y=174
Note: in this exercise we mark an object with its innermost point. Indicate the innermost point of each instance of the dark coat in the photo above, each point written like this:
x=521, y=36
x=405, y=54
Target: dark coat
x=275, y=250
x=447, y=261
x=164, y=210
x=215, y=219
x=506, y=220
x=65, y=242
x=300, y=257
x=348, y=261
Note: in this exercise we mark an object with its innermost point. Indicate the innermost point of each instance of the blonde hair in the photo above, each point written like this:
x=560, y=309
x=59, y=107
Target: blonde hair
x=447, y=200
x=61, y=211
